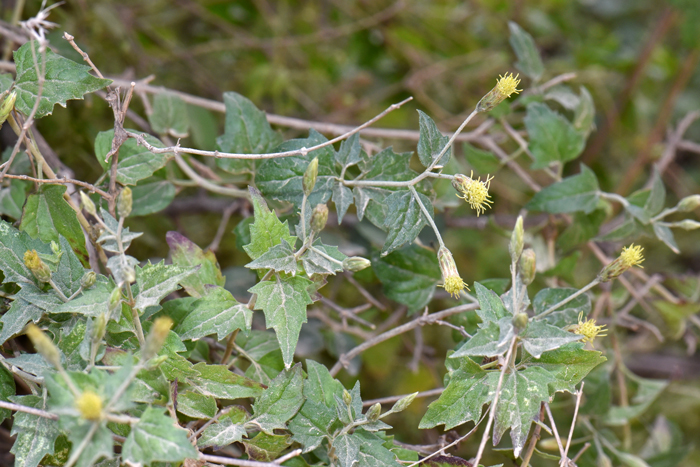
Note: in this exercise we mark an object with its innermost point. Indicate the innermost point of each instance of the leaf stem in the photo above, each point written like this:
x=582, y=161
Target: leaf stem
x=427, y=215
x=552, y=308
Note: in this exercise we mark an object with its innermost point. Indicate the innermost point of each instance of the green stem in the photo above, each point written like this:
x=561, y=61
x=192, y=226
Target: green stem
x=427, y=215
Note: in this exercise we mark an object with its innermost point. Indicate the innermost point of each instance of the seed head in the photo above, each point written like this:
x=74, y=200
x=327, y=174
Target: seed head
x=474, y=192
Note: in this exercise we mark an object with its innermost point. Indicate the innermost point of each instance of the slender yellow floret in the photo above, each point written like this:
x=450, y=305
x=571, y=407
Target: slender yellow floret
x=474, y=192
x=453, y=283
x=44, y=345
x=588, y=329
x=89, y=404
x=508, y=84
x=632, y=256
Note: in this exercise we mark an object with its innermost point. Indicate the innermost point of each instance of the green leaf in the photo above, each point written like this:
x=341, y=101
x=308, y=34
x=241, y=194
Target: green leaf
x=312, y=424
x=431, y=142
x=320, y=386
x=665, y=234
x=491, y=308
x=109, y=240
x=6, y=81
x=169, y=116
x=343, y=198
x=552, y=137
x=489, y=341
x=13, y=245
x=91, y=302
x=219, y=382
x=284, y=301
x=568, y=365
x=29, y=304
x=482, y=161
x=521, y=395
x=7, y=389
x=279, y=258
x=135, y=162
x=583, y=228
x=405, y=219
x=35, y=435
x=647, y=392
x=346, y=449
x=47, y=215
x=373, y=453
x=280, y=178
x=267, y=230
x=567, y=313
x=387, y=165
x=576, y=193
x=217, y=313
x=541, y=337
x=156, y=281
x=585, y=112
x=657, y=196
x=196, y=405
x=675, y=315
x=349, y=152
x=187, y=254
x=462, y=399
x=221, y=434
x=266, y=448
x=280, y=401
x=409, y=275
x=13, y=197
x=263, y=348
x=64, y=79
x=151, y=197
x=156, y=438
x=529, y=60
x=246, y=131
x=315, y=259
x=100, y=446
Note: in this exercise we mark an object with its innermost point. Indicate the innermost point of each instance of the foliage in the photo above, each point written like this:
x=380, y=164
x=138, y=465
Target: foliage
x=173, y=359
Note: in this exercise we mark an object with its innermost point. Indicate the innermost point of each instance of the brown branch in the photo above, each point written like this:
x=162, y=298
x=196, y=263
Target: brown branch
x=62, y=181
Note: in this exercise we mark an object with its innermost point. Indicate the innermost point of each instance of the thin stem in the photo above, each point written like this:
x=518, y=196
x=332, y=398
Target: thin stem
x=614, y=197
x=554, y=428
x=392, y=399
x=75, y=454
x=552, y=308
x=206, y=184
x=573, y=422
x=494, y=404
x=427, y=215
x=328, y=257
x=663, y=214
x=248, y=463
x=60, y=294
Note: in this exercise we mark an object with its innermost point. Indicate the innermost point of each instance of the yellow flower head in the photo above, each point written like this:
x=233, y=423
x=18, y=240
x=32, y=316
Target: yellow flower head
x=89, y=404
x=474, y=192
x=508, y=84
x=632, y=256
x=454, y=286
x=588, y=329
x=453, y=283
x=31, y=259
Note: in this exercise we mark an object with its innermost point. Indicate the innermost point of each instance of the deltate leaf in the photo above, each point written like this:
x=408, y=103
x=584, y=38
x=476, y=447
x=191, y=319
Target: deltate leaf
x=155, y=281
x=431, y=142
x=317, y=259
x=284, y=301
x=267, y=230
x=552, y=137
x=491, y=308
x=541, y=337
x=35, y=435
x=279, y=258
x=156, y=438
x=217, y=313
x=64, y=79
x=404, y=219
x=568, y=365
x=221, y=434
x=185, y=253
x=567, y=313
x=280, y=401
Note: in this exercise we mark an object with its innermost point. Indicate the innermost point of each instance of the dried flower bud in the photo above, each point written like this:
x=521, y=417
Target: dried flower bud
x=319, y=217
x=156, y=338
x=37, y=266
x=520, y=321
x=88, y=205
x=689, y=203
x=309, y=180
x=452, y=282
x=505, y=87
x=124, y=202
x=686, y=224
x=88, y=280
x=528, y=266
x=6, y=107
x=89, y=404
x=516, y=240
x=99, y=327
x=374, y=412
x=44, y=345
x=474, y=192
x=347, y=398
x=356, y=263
x=630, y=256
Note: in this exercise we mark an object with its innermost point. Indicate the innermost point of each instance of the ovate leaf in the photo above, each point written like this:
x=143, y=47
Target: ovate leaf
x=218, y=381
x=529, y=60
x=552, y=137
x=221, y=434
x=169, y=116
x=13, y=245
x=404, y=219
x=565, y=314
x=135, y=162
x=491, y=308
x=156, y=438
x=151, y=196
x=155, y=281
x=64, y=79
x=280, y=401
x=541, y=337
x=284, y=301
x=279, y=258
x=186, y=254
x=568, y=365
x=576, y=193
x=35, y=435
x=217, y=313
x=317, y=259
x=431, y=142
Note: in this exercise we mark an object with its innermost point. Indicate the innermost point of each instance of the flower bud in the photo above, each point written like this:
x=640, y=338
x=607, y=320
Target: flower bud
x=115, y=300
x=6, y=107
x=528, y=266
x=37, y=266
x=630, y=256
x=156, y=338
x=319, y=217
x=516, y=240
x=129, y=274
x=356, y=263
x=347, y=398
x=374, y=412
x=689, y=203
x=505, y=87
x=520, y=321
x=155, y=361
x=89, y=404
x=88, y=280
x=44, y=345
x=124, y=202
x=99, y=327
x=686, y=224
x=452, y=281
x=404, y=402
x=309, y=180
x=88, y=205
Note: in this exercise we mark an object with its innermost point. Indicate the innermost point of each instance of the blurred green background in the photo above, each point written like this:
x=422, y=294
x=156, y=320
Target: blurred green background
x=344, y=61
